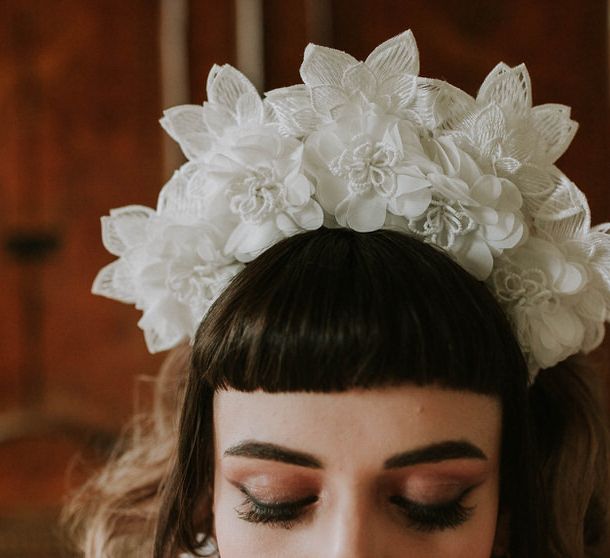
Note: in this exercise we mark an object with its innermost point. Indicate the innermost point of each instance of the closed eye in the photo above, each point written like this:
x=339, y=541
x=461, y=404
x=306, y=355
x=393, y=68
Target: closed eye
x=435, y=516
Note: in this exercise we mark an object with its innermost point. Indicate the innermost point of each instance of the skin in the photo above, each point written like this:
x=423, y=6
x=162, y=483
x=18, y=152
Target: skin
x=347, y=456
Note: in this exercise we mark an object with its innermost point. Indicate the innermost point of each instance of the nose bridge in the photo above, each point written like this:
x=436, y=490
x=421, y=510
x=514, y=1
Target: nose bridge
x=354, y=528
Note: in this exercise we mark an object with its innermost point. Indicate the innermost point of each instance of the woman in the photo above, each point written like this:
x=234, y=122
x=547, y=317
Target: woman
x=391, y=297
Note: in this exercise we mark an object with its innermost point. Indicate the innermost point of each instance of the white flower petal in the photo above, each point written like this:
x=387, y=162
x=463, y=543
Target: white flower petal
x=125, y=228
x=309, y=217
x=324, y=98
x=249, y=109
x=114, y=281
x=508, y=87
x=366, y=213
x=226, y=85
x=330, y=191
x=553, y=123
x=323, y=65
x=360, y=78
x=398, y=55
x=185, y=124
x=476, y=258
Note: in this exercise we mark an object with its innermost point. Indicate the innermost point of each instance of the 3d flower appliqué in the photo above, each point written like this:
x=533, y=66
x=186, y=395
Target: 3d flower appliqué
x=170, y=270
x=473, y=215
x=260, y=180
x=367, y=165
x=541, y=289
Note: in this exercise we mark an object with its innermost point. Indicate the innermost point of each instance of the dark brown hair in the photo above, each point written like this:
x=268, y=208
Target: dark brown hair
x=335, y=309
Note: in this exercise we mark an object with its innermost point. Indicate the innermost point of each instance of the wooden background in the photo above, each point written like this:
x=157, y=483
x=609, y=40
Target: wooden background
x=80, y=97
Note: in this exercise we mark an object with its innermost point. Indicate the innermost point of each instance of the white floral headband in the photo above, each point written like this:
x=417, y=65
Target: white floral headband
x=370, y=145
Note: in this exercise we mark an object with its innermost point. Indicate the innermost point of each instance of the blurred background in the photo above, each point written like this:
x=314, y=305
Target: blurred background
x=82, y=86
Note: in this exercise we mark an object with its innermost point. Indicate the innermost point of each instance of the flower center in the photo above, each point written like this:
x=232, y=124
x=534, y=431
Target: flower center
x=256, y=195
x=367, y=165
x=442, y=223
x=528, y=288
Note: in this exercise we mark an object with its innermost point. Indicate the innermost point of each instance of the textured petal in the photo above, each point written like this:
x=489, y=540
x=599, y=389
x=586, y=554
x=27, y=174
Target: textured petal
x=489, y=128
x=176, y=199
x=326, y=97
x=227, y=84
x=185, y=124
x=397, y=55
x=292, y=109
x=249, y=108
x=553, y=123
x=508, y=87
x=565, y=214
x=125, y=228
x=323, y=65
x=402, y=88
x=360, y=78
x=440, y=104
x=115, y=281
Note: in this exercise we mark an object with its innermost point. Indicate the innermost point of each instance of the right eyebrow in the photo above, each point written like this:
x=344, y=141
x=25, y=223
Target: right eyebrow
x=434, y=453
x=273, y=452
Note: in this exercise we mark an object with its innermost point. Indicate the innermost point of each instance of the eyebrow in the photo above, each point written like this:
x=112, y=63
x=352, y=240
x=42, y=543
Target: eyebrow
x=434, y=453
x=431, y=453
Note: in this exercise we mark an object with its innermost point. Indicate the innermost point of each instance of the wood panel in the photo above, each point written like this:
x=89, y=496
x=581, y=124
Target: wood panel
x=79, y=98
x=211, y=41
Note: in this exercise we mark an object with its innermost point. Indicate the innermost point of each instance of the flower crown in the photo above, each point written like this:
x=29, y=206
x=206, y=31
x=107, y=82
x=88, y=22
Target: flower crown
x=369, y=145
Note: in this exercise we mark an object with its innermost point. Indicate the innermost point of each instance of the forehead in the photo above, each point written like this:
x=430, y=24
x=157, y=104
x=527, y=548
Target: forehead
x=361, y=424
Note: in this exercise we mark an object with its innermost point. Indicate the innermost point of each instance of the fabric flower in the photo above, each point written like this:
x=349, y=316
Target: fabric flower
x=259, y=182
x=541, y=290
x=244, y=172
x=472, y=215
x=171, y=270
x=337, y=85
x=367, y=165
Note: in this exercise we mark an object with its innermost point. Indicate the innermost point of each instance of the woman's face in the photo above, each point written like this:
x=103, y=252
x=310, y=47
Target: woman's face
x=378, y=473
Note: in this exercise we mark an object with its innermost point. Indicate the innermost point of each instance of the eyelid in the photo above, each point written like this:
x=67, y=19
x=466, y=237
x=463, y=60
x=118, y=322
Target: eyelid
x=459, y=494
x=301, y=502
x=440, y=503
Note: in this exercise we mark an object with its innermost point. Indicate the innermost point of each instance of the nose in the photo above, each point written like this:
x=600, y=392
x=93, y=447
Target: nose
x=355, y=531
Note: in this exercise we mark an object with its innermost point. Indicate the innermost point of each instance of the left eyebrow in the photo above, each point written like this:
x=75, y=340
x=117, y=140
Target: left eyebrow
x=273, y=452
x=434, y=453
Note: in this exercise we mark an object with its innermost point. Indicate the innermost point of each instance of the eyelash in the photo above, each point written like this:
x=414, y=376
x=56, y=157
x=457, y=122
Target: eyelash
x=281, y=514
x=422, y=517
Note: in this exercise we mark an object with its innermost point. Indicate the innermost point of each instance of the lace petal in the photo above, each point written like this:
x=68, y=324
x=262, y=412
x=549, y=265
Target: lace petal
x=557, y=130
x=323, y=65
x=125, y=228
x=115, y=281
x=509, y=87
x=226, y=85
x=398, y=55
